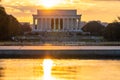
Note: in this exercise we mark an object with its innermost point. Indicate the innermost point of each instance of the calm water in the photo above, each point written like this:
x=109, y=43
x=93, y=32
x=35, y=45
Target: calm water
x=70, y=69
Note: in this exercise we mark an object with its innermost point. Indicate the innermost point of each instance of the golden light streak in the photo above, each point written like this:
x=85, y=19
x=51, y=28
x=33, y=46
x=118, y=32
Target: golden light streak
x=47, y=66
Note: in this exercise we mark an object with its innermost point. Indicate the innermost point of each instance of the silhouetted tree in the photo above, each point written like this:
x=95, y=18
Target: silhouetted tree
x=14, y=27
x=9, y=26
x=112, y=32
x=94, y=27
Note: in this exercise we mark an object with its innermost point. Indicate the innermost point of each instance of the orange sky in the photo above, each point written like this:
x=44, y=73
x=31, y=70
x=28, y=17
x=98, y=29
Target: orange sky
x=104, y=10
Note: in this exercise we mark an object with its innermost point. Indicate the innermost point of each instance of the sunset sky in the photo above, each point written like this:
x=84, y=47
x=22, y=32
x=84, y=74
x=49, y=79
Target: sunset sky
x=104, y=10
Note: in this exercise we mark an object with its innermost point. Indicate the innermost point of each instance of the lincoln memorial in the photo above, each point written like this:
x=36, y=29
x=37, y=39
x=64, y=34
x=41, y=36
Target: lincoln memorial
x=56, y=21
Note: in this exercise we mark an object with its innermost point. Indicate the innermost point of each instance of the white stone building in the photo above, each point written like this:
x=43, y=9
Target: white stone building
x=56, y=21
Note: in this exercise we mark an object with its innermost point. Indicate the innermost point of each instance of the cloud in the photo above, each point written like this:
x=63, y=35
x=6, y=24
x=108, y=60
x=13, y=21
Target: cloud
x=25, y=8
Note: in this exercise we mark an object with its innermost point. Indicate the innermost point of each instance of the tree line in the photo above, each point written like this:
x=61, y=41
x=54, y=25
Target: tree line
x=111, y=32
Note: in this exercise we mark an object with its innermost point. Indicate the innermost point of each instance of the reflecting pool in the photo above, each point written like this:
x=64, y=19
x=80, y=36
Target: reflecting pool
x=59, y=69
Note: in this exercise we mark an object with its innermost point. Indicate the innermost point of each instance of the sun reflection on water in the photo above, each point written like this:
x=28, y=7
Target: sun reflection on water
x=47, y=67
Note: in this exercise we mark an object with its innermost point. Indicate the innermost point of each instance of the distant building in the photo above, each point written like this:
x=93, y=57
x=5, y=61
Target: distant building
x=56, y=21
x=104, y=24
x=82, y=23
x=25, y=23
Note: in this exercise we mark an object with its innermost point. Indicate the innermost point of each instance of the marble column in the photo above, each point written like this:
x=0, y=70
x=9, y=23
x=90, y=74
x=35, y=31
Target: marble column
x=76, y=24
x=59, y=26
x=45, y=24
x=67, y=25
x=72, y=23
x=63, y=24
x=49, y=23
x=41, y=24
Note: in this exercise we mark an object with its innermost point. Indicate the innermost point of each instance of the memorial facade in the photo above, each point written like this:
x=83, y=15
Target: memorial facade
x=56, y=21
